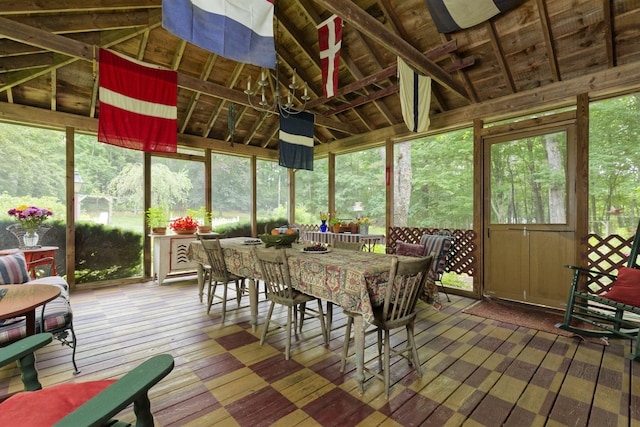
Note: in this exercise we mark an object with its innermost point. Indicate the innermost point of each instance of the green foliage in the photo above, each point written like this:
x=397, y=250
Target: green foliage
x=242, y=229
x=106, y=253
x=102, y=252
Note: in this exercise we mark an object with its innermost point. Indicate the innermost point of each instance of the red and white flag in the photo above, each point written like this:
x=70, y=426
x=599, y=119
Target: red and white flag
x=330, y=41
x=137, y=104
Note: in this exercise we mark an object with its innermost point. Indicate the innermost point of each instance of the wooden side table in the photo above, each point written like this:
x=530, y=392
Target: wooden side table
x=34, y=254
x=23, y=300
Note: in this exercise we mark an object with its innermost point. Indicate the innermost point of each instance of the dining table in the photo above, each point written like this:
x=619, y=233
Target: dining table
x=350, y=279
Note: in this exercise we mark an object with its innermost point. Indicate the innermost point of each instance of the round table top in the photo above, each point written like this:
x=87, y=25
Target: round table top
x=20, y=299
x=34, y=249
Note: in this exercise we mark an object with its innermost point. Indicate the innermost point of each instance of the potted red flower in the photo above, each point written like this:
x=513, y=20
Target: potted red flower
x=184, y=225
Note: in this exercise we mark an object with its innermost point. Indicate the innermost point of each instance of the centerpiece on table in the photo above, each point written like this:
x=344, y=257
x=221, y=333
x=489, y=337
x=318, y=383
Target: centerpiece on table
x=323, y=219
x=184, y=225
x=30, y=219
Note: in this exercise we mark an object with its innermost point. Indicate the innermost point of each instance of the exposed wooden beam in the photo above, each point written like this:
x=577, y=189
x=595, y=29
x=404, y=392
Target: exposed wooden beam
x=548, y=40
x=498, y=52
x=78, y=50
x=609, y=33
x=366, y=24
x=22, y=7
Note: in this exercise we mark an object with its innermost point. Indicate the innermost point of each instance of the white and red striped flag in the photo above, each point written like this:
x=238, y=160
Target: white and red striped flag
x=137, y=104
x=330, y=41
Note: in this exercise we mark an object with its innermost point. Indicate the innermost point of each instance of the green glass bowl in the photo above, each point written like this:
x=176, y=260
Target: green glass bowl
x=279, y=240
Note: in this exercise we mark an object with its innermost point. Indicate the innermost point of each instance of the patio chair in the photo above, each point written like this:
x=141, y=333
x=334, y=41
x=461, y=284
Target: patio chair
x=216, y=272
x=91, y=403
x=406, y=280
x=275, y=274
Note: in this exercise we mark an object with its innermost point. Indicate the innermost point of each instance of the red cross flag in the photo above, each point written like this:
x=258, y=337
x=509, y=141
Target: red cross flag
x=330, y=41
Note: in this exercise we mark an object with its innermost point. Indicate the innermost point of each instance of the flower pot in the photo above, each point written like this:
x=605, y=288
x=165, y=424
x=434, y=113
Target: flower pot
x=364, y=228
x=159, y=230
x=336, y=228
x=185, y=230
x=204, y=229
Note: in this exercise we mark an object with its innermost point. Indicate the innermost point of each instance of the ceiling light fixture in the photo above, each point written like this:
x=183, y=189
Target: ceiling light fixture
x=269, y=104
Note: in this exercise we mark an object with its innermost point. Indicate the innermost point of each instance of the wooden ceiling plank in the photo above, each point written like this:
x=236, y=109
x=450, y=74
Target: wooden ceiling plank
x=254, y=128
x=54, y=90
x=366, y=24
x=609, y=33
x=233, y=79
x=204, y=75
x=364, y=99
x=499, y=53
x=44, y=39
x=11, y=7
x=26, y=62
x=548, y=40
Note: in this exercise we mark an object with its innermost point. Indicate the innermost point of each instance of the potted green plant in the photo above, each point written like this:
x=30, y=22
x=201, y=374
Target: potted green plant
x=204, y=217
x=157, y=219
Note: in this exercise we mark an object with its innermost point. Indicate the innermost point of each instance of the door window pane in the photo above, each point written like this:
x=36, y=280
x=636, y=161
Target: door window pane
x=528, y=180
x=312, y=192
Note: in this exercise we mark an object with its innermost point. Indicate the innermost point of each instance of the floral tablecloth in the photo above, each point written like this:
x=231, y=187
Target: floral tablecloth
x=347, y=278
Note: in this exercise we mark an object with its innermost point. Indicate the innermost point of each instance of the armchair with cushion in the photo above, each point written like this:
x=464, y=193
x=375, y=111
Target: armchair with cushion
x=91, y=403
x=56, y=316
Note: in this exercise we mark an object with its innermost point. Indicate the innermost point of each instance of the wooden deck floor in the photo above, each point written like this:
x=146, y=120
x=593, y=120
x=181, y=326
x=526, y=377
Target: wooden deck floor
x=475, y=371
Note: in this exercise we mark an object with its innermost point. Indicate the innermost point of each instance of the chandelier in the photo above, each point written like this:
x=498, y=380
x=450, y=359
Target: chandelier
x=276, y=103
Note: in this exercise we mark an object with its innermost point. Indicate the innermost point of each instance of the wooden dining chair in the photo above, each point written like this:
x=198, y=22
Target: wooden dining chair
x=350, y=246
x=274, y=268
x=216, y=273
x=406, y=281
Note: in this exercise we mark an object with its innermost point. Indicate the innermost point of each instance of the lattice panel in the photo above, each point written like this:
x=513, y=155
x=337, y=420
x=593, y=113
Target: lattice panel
x=462, y=258
x=605, y=254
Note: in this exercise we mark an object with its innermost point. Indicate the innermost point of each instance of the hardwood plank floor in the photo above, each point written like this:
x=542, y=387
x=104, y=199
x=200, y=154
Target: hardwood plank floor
x=476, y=372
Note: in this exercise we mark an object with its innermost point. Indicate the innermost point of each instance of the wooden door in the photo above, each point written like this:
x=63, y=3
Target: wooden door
x=529, y=213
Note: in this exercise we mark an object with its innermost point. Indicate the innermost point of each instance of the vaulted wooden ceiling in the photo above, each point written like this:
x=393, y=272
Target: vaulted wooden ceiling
x=47, y=50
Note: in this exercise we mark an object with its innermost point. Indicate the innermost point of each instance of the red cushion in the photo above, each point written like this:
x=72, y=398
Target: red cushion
x=48, y=406
x=409, y=249
x=626, y=288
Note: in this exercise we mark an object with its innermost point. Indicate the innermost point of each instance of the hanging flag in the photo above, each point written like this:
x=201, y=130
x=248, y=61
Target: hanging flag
x=296, y=140
x=238, y=30
x=330, y=41
x=454, y=15
x=137, y=104
x=415, y=97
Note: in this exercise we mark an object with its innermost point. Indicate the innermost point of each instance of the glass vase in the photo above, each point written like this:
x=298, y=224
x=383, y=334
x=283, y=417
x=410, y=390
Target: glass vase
x=30, y=239
x=323, y=226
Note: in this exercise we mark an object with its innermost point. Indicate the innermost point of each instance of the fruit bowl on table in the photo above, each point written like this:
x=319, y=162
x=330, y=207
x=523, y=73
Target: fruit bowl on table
x=279, y=240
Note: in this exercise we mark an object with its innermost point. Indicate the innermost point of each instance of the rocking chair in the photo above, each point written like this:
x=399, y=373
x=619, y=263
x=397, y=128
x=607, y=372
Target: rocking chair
x=598, y=301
